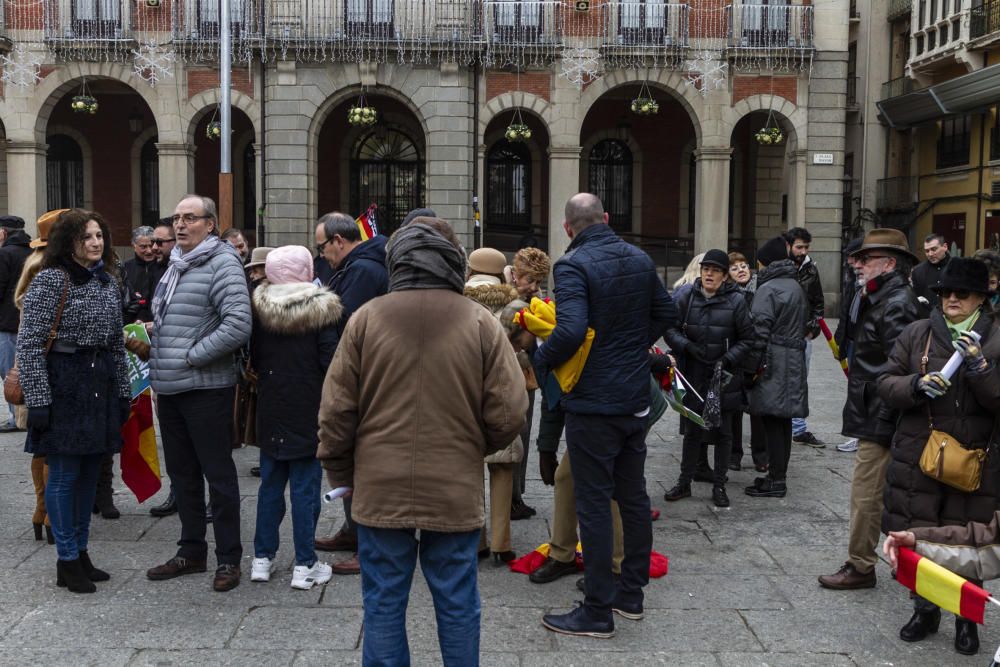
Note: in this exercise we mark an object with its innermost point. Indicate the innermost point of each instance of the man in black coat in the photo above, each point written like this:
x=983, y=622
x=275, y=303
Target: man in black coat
x=606, y=284
x=715, y=331
x=887, y=305
x=12, y=255
x=926, y=274
x=359, y=275
x=142, y=274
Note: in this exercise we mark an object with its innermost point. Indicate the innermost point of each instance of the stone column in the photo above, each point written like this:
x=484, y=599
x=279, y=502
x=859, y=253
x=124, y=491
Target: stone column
x=176, y=167
x=26, y=182
x=711, y=221
x=564, y=182
x=797, y=188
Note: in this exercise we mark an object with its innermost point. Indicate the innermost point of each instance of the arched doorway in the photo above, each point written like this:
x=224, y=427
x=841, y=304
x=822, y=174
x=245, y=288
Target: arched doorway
x=206, y=169
x=386, y=170
x=63, y=173
x=149, y=184
x=609, y=176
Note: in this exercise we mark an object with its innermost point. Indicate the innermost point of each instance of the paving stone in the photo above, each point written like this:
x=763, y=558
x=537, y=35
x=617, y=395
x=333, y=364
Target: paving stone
x=569, y=658
x=40, y=657
x=215, y=657
x=318, y=627
x=696, y=630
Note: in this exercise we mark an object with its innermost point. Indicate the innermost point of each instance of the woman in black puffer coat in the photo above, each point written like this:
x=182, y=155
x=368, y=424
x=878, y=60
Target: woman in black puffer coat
x=966, y=408
x=715, y=330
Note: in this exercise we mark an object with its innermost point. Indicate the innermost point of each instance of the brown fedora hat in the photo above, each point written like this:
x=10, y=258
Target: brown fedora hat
x=45, y=222
x=885, y=239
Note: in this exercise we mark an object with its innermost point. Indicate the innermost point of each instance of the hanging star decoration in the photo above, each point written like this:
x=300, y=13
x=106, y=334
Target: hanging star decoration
x=20, y=68
x=707, y=71
x=582, y=66
x=152, y=63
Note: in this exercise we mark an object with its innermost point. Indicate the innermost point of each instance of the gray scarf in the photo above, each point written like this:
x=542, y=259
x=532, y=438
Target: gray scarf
x=179, y=264
x=418, y=257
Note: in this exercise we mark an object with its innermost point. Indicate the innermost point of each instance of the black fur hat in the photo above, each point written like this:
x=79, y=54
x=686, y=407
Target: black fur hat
x=773, y=251
x=964, y=274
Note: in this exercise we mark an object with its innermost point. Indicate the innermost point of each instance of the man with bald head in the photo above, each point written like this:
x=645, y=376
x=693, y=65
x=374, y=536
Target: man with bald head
x=609, y=285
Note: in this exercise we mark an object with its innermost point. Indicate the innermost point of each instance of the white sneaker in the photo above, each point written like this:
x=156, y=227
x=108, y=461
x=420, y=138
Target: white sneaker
x=849, y=446
x=261, y=569
x=304, y=577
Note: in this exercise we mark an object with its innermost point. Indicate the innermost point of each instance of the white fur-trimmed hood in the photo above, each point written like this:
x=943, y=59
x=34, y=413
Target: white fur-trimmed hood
x=296, y=308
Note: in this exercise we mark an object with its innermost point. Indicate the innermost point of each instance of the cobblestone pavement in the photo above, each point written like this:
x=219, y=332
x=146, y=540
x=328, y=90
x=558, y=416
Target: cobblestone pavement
x=741, y=589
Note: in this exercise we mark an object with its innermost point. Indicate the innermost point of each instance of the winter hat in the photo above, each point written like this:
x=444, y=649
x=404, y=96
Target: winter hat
x=774, y=250
x=418, y=213
x=11, y=222
x=487, y=260
x=45, y=222
x=964, y=274
x=716, y=257
x=886, y=239
x=258, y=256
x=853, y=246
x=289, y=264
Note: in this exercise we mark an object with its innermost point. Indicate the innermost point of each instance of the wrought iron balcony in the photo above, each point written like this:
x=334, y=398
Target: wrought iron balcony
x=895, y=193
x=96, y=22
x=645, y=25
x=897, y=87
x=770, y=27
x=898, y=9
x=985, y=19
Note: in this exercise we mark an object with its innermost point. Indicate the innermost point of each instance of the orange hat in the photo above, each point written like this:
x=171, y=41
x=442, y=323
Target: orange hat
x=45, y=222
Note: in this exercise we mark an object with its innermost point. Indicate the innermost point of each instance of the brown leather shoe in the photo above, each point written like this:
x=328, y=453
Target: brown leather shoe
x=348, y=566
x=227, y=577
x=341, y=541
x=175, y=567
x=848, y=578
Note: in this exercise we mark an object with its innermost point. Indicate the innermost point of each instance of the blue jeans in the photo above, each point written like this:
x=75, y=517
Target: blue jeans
x=8, y=346
x=448, y=561
x=303, y=477
x=69, y=499
x=799, y=425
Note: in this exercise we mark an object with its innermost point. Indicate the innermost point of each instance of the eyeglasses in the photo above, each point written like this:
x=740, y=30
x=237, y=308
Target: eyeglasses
x=864, y=259
x=320, y=246
x=188, y=218
x=960, y=294
x=163, y=241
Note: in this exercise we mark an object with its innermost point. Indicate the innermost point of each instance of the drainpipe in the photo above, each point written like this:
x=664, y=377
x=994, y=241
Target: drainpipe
x=477, y=224
x=261, y=212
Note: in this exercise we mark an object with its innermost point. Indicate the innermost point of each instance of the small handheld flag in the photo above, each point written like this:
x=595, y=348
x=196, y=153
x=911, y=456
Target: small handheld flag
x=832, y=343
x=940, y=586
x=367, y=224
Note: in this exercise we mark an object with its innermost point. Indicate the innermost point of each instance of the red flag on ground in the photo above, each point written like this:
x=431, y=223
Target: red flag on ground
x=140, y=461
x=367, y=224
x=528, y=563
x=940, y=586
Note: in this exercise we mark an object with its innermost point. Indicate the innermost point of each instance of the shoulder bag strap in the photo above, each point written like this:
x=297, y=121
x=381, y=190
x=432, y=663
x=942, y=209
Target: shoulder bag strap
x=59, y=312
x=924, y=360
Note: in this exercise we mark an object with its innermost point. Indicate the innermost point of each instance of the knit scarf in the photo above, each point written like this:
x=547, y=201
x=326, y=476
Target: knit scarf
x=179, y=264
x=418, y=257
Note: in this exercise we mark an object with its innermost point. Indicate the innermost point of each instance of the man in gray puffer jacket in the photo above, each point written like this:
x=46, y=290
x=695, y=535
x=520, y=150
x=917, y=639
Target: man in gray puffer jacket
x=201, y=316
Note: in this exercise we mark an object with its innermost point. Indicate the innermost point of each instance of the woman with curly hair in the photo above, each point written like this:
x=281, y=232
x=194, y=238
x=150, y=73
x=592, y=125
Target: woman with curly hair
x=71, y=356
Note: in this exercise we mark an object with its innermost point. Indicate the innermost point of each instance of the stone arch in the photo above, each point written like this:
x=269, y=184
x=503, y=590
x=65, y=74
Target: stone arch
x=65, y=78
x=88, y=158
x=136, y=172
x=671, y=82
x=526, y=102
x=792, y=119
x=201, y=104
x=637, y=162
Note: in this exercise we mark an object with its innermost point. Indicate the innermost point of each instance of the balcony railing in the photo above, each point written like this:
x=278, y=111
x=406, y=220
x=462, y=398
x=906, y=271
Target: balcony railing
x=985, y=19
x=898, y=9
x=897, y=87
x=645, y=25
x=770, y=27
x=896, y=193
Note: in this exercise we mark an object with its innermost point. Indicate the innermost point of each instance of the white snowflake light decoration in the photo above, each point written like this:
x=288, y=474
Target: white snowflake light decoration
x=581, y=66
x=707, y=71
x=153, y=63
x=20, y=68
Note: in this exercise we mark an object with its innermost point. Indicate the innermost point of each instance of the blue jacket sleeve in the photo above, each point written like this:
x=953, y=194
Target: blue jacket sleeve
x=572, y=317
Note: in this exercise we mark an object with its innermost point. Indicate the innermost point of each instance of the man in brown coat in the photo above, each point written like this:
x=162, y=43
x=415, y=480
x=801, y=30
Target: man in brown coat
x=423, y=385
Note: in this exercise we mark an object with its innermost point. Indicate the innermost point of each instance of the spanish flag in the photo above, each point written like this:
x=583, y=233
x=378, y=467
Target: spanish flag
x=540, y=319
x=528, y=563
x=366, y=223
x=140, y=461
x=940, y=586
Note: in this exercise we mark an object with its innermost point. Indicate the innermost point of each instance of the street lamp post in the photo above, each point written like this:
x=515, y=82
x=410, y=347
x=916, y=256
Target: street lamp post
x=225, y=117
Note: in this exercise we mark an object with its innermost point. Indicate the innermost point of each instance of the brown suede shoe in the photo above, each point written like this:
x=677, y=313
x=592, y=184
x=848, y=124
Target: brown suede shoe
x=848, y=578
x=341, y=541
x=175, y=567
x=349, y=566
x=227, y=577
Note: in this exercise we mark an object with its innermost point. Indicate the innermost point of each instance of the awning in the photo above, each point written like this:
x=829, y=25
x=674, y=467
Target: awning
x=964, y=94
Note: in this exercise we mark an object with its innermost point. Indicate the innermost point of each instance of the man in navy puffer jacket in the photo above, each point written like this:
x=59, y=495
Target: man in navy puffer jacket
x=609, y=285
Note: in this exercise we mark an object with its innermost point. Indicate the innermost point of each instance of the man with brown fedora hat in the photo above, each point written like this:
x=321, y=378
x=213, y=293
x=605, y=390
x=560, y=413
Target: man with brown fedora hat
x=887, y=305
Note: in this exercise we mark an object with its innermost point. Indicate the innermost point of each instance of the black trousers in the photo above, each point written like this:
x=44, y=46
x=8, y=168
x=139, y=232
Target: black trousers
x=778, y=433
x=696, y=440
x=197, y=446
x=758, y=443
x=608, y=459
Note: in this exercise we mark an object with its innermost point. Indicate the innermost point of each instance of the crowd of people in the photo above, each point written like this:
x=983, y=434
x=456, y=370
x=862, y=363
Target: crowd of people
x=405, y=368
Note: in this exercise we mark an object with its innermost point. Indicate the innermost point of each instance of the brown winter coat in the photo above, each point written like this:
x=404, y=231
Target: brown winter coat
x=424, y=384
x=968, y=412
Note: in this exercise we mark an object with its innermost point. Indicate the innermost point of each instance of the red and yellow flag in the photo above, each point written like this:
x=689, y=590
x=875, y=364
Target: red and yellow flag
x=366, y=223
x=140, y=461
x=940, y=586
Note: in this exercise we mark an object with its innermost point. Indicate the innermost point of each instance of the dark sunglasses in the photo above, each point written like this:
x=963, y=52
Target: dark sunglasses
x=960, y=294
x=162, y=241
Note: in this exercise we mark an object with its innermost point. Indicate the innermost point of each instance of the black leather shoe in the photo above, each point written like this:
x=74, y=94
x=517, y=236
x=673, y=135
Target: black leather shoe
x=966, y=636
x=769, y=488
x=920, y=625
x=581, y=623
x=719, y=496
x=680, y=490
x=520, y=512
x=166, y=508
x=551, y=570
x=735, y=466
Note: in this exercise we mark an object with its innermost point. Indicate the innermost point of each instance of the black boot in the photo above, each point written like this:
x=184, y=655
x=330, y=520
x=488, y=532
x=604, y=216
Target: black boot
x=92, y=572
x=920, y=625
x=719, y=496
x=680, y=490
x=104, y=503
x=168, y=507
x=70, y=574
x=966, y=636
